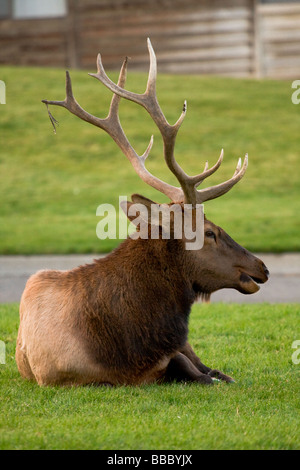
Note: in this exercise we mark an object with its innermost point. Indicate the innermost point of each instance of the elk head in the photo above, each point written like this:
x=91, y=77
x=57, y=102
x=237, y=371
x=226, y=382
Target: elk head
x=221, y=262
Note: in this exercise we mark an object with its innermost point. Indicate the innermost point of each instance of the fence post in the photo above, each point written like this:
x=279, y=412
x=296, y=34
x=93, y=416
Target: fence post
x=72, y=26
x=257, y=39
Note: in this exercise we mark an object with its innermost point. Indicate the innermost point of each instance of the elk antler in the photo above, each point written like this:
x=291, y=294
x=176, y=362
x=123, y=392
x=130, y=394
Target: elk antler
x=188, y=192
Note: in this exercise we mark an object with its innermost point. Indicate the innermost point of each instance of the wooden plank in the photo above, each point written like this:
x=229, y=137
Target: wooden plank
x=284, y=73
x=278, y=9
x=283, y=49
x=198, y=15
x=282, y=36
x=176, y=28
x=282, y=23
x=208, y=67
x=166, y=43
x=280, y=62
x=167, y=5
x=204, y=54
x=18, y=28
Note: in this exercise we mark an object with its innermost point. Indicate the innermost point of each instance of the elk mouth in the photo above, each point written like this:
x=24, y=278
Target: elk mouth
x=248, y=283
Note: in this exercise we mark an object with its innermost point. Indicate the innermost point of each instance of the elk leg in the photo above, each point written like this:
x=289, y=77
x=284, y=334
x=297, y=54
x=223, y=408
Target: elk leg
x=180, y=368
x=187, y=350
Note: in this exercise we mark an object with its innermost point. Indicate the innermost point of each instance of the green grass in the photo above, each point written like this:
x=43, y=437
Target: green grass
x=260, y=411
x=51, y=185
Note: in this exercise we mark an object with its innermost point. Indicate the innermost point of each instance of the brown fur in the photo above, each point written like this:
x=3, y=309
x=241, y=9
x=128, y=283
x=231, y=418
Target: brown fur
x=124, y=319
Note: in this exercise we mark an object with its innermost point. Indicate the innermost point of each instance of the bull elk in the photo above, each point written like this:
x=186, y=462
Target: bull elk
x=124, y=318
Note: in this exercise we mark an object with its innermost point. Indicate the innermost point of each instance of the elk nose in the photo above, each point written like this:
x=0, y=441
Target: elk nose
x=265, y=269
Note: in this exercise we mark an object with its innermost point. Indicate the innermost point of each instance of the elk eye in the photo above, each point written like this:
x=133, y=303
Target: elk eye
x=210, y=234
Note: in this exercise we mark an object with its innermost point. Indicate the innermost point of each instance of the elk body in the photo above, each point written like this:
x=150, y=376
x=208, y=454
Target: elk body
x=124, y=319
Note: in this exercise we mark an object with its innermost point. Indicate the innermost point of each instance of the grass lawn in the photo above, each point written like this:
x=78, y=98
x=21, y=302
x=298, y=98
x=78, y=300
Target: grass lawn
x=260, y=411
x=51, y=185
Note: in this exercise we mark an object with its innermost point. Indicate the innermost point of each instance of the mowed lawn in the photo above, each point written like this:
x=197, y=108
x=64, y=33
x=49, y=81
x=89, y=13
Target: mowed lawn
x=51, y=185
x=253, y=343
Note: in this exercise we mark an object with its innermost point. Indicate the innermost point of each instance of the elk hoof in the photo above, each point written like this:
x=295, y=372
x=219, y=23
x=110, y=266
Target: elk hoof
x=220, y=376
x=205, y=380
x=215, y=380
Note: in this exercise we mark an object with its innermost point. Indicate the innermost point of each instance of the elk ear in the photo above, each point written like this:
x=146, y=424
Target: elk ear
x=138, y=211
x=138, y=199
x=125, y=206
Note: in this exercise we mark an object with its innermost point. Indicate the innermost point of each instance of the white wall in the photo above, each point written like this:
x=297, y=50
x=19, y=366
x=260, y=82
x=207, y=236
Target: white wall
x=39, y=8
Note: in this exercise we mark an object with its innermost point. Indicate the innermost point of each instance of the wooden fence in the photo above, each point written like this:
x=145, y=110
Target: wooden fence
x=223, y=37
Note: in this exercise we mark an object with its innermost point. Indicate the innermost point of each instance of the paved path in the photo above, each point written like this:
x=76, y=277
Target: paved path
x=283, y=285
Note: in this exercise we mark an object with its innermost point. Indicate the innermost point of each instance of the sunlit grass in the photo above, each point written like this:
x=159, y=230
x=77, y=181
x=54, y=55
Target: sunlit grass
x=253, y=343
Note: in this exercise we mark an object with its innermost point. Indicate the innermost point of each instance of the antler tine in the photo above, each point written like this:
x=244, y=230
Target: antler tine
x=111, y=124
x=149, y=101
x=196, y=180
x=68, y=94
x=187, y=193
x=71, y=105
x=147, y=151
x=117, y=89
x=215, y=191
x=114, y=105
x=239, y=166
x=151, y=84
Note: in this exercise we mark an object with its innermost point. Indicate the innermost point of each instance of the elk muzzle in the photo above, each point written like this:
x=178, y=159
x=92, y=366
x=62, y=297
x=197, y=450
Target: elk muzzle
x=250, y=278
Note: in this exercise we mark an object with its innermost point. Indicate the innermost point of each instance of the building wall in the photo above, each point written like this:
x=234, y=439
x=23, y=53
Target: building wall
x=189, y=37
x=224, y=37
x=279, y=39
